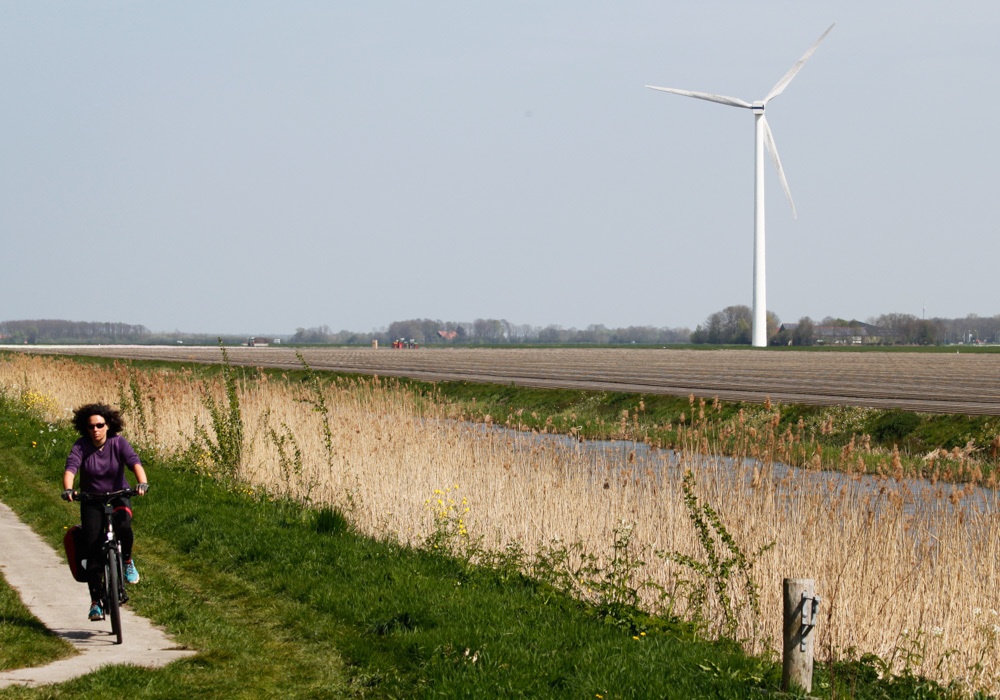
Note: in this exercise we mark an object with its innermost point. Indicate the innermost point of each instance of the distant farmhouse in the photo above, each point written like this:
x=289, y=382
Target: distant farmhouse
x=447, y=335
x=857, y=333
x=259, y=342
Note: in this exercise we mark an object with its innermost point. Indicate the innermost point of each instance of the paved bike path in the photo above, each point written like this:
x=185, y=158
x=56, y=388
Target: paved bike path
x=50, y=592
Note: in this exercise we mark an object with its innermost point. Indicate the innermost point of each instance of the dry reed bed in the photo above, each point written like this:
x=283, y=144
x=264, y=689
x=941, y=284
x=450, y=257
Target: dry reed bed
x=928, y=382
x=899, y=568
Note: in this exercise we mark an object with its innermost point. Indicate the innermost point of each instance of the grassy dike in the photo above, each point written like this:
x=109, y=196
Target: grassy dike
x=284, y=602
x=281, y=601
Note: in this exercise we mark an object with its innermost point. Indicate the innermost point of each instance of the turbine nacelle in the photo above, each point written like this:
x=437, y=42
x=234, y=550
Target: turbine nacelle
x=758, y=107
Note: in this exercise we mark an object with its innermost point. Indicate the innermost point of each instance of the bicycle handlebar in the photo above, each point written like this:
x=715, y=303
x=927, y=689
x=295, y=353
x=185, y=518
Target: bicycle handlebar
x=104, y=497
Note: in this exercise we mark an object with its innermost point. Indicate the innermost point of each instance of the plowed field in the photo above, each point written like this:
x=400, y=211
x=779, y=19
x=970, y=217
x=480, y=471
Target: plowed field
x=965, y=383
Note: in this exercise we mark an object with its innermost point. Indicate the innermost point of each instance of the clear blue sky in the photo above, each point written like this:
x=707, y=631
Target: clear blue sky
x=259, y=166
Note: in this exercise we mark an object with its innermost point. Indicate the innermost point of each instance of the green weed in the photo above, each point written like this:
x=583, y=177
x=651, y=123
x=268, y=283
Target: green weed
x=227, y=447
x=725, y=566
x=133, y=407
x=318, y=402
x=290, y=460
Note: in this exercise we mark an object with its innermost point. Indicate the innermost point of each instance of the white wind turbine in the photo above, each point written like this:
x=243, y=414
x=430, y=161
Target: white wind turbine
x=762, y=137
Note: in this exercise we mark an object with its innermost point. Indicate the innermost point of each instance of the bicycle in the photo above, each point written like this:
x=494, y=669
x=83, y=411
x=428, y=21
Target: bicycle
x=113, y=594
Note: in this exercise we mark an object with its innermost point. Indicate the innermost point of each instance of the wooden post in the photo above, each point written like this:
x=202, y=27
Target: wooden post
x=797, y=663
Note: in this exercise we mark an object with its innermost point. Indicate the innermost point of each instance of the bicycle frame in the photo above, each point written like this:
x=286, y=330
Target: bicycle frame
x=113, y=576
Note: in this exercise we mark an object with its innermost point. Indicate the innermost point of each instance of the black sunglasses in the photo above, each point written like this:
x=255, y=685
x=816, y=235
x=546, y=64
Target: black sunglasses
x=97, y=425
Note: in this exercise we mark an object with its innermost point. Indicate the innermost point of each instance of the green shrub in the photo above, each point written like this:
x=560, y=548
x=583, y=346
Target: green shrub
x=893, y=426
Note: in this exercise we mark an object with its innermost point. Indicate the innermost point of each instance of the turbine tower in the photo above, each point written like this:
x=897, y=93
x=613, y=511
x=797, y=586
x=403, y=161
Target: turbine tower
x=762, y=138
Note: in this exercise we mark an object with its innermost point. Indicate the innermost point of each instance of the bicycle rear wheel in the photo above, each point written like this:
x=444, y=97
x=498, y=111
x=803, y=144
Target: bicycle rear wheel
x=111, y=581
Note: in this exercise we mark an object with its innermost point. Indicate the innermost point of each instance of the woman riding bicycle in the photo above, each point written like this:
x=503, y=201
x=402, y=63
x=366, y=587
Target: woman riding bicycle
x=101, y=456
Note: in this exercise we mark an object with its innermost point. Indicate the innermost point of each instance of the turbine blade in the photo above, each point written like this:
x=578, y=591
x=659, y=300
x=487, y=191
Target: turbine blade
x=721, y=99
x=780, y=86
x=773, y=150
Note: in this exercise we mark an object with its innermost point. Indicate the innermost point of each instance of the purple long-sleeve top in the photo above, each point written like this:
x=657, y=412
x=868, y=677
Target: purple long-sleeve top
x=102, y=470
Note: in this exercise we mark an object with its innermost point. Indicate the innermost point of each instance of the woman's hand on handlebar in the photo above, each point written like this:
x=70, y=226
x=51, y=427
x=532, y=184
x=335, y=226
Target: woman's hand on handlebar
x=82, y=496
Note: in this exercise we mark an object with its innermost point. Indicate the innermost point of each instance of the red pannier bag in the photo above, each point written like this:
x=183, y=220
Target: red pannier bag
x=73, y=542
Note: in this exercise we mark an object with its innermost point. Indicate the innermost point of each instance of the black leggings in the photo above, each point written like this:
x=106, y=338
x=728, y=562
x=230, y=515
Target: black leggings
x=91, y=515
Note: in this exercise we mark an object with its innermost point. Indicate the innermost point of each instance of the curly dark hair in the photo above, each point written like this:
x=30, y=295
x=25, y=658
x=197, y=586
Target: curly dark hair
x=81, y=418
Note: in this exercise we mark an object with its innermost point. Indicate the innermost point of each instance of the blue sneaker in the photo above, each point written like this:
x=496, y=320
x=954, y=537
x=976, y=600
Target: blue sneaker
x=96, y=614
x=131, y=575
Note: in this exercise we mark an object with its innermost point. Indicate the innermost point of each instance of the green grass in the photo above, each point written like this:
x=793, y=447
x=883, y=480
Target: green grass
x=281, y=601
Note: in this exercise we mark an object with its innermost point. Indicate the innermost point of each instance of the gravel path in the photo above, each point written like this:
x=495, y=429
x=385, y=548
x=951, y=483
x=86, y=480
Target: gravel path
x=48, y=589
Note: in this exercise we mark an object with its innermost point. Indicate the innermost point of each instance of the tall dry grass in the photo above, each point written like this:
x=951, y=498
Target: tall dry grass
x=907, y=570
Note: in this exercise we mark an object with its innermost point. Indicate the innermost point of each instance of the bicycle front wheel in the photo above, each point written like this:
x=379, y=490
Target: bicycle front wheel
x=111, y=581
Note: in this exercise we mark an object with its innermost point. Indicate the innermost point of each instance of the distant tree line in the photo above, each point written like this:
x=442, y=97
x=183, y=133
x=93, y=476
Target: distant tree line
x=732, y=326
x=908, y=329
x=57, y=331
x=491, y=331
